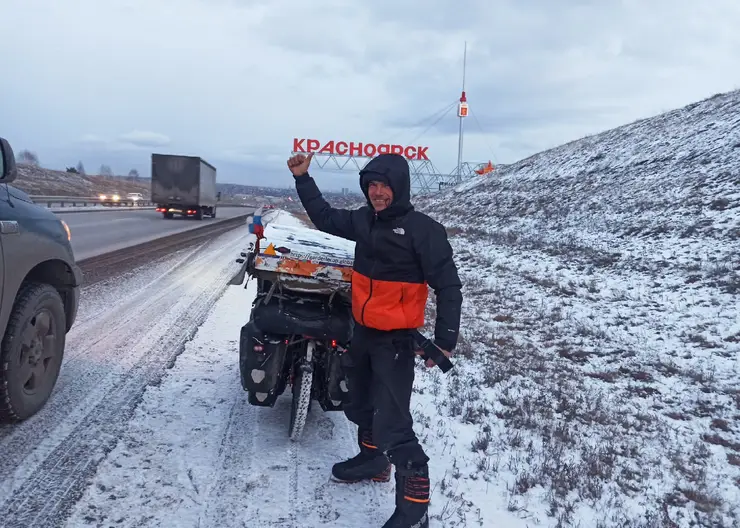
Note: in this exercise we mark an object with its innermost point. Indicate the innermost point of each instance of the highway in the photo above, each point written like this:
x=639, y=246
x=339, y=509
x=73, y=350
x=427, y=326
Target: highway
x=95, y=233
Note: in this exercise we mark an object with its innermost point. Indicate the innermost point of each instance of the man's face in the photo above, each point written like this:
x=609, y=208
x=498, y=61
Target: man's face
x=380, y=194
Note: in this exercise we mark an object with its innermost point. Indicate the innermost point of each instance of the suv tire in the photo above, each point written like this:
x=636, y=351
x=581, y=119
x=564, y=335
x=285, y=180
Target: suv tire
x=31, y=351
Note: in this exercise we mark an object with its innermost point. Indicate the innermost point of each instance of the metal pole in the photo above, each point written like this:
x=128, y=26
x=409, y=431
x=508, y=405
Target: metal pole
x=460, y=133
x=459, y=151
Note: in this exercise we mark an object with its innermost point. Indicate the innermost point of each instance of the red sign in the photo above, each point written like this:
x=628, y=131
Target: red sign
x=367, y=150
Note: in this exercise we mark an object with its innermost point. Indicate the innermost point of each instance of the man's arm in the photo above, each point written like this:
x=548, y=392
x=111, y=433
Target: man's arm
x=338, y=222
x=440, y=272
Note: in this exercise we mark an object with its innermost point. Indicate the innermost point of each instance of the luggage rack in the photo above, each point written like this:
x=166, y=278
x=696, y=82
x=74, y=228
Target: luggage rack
x=300, y=283
x=303, y=260
x=281, y=286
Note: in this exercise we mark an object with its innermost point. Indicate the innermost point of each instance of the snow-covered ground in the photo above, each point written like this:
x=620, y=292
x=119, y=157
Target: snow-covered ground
x=600, y=378
x=128, y=333
x=195, y=453
x=188, y=449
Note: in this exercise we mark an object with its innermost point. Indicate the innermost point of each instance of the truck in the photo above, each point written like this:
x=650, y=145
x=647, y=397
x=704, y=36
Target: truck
x=184, y=186
x=39, y=296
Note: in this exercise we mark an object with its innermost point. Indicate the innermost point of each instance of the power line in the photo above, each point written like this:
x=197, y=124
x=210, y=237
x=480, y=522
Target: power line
x=434, y=115
x=447, y=111
x=493, y=156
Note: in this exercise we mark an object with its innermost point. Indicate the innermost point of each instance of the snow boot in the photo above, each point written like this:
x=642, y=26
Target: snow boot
x=369, y=464
x=412, y=499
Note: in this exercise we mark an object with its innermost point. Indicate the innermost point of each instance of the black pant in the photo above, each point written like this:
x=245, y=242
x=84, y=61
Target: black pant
x=380, y=376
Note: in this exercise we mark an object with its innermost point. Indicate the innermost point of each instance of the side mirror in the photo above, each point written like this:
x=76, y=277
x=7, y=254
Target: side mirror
x=8, y=170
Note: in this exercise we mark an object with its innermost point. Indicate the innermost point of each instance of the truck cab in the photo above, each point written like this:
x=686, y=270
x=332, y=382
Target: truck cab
x=39, y=296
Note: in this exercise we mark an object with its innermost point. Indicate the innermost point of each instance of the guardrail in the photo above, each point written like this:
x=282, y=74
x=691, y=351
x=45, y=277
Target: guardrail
x=99, y=267
x=83, y=201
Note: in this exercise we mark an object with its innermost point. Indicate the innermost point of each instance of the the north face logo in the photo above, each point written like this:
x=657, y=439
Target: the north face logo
x=399, y=231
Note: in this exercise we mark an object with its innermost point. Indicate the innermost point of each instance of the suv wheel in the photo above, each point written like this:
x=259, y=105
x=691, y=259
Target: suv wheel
x=31, y=351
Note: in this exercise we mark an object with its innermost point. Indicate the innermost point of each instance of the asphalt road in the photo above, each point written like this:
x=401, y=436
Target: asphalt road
x=95, y=233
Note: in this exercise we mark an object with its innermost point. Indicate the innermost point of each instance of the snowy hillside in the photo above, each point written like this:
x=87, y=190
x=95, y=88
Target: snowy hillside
x=46, y=182
x=602, y=327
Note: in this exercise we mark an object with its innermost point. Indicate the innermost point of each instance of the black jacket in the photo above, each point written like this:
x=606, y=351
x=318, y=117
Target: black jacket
x=398, y=251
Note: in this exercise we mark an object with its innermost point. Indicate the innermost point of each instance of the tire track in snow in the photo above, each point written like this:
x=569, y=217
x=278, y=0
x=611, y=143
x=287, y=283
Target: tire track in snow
x=293, y=492
x=83, y=381
x=103, y=387
x=236, y=453
x=196, y=453
x=90, y=336
x=128, y=310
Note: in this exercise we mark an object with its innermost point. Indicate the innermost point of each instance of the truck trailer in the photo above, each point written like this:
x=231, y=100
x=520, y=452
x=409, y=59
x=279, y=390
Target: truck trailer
x=184, y=185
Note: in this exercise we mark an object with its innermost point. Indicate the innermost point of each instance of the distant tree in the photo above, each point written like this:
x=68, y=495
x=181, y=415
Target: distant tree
x=106, y=171
x=72, y=170
x=27, y=157
x=133, y=174
x=80, y=168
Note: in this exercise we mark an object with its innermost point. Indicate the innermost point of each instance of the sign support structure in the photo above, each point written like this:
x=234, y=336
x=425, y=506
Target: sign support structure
x=425, y=178
x=341, y=156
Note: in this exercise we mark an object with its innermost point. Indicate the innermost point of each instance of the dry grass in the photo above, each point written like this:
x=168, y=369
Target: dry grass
x=599, y=383
x=46, y=182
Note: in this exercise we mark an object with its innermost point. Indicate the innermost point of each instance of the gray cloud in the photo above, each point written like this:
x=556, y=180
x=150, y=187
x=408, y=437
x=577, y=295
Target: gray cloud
x=143, y=138
x=235, y=80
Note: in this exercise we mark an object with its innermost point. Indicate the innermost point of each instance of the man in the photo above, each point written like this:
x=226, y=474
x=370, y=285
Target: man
x=398, y=251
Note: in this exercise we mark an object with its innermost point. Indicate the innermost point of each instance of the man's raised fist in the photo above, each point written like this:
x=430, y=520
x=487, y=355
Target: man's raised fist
x=299, y=163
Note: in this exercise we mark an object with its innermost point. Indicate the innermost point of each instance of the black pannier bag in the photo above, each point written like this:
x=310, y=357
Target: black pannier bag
x=334, y=392
x=261, y=364
x=312, y=316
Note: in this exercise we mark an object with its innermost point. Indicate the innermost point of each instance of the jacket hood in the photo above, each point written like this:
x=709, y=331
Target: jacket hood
x=393, y=170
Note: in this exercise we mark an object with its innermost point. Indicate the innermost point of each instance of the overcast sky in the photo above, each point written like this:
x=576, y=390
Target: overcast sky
x=234, y=81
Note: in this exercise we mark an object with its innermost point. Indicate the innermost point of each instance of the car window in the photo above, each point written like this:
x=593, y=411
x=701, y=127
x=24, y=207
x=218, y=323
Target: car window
x=2, y=163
